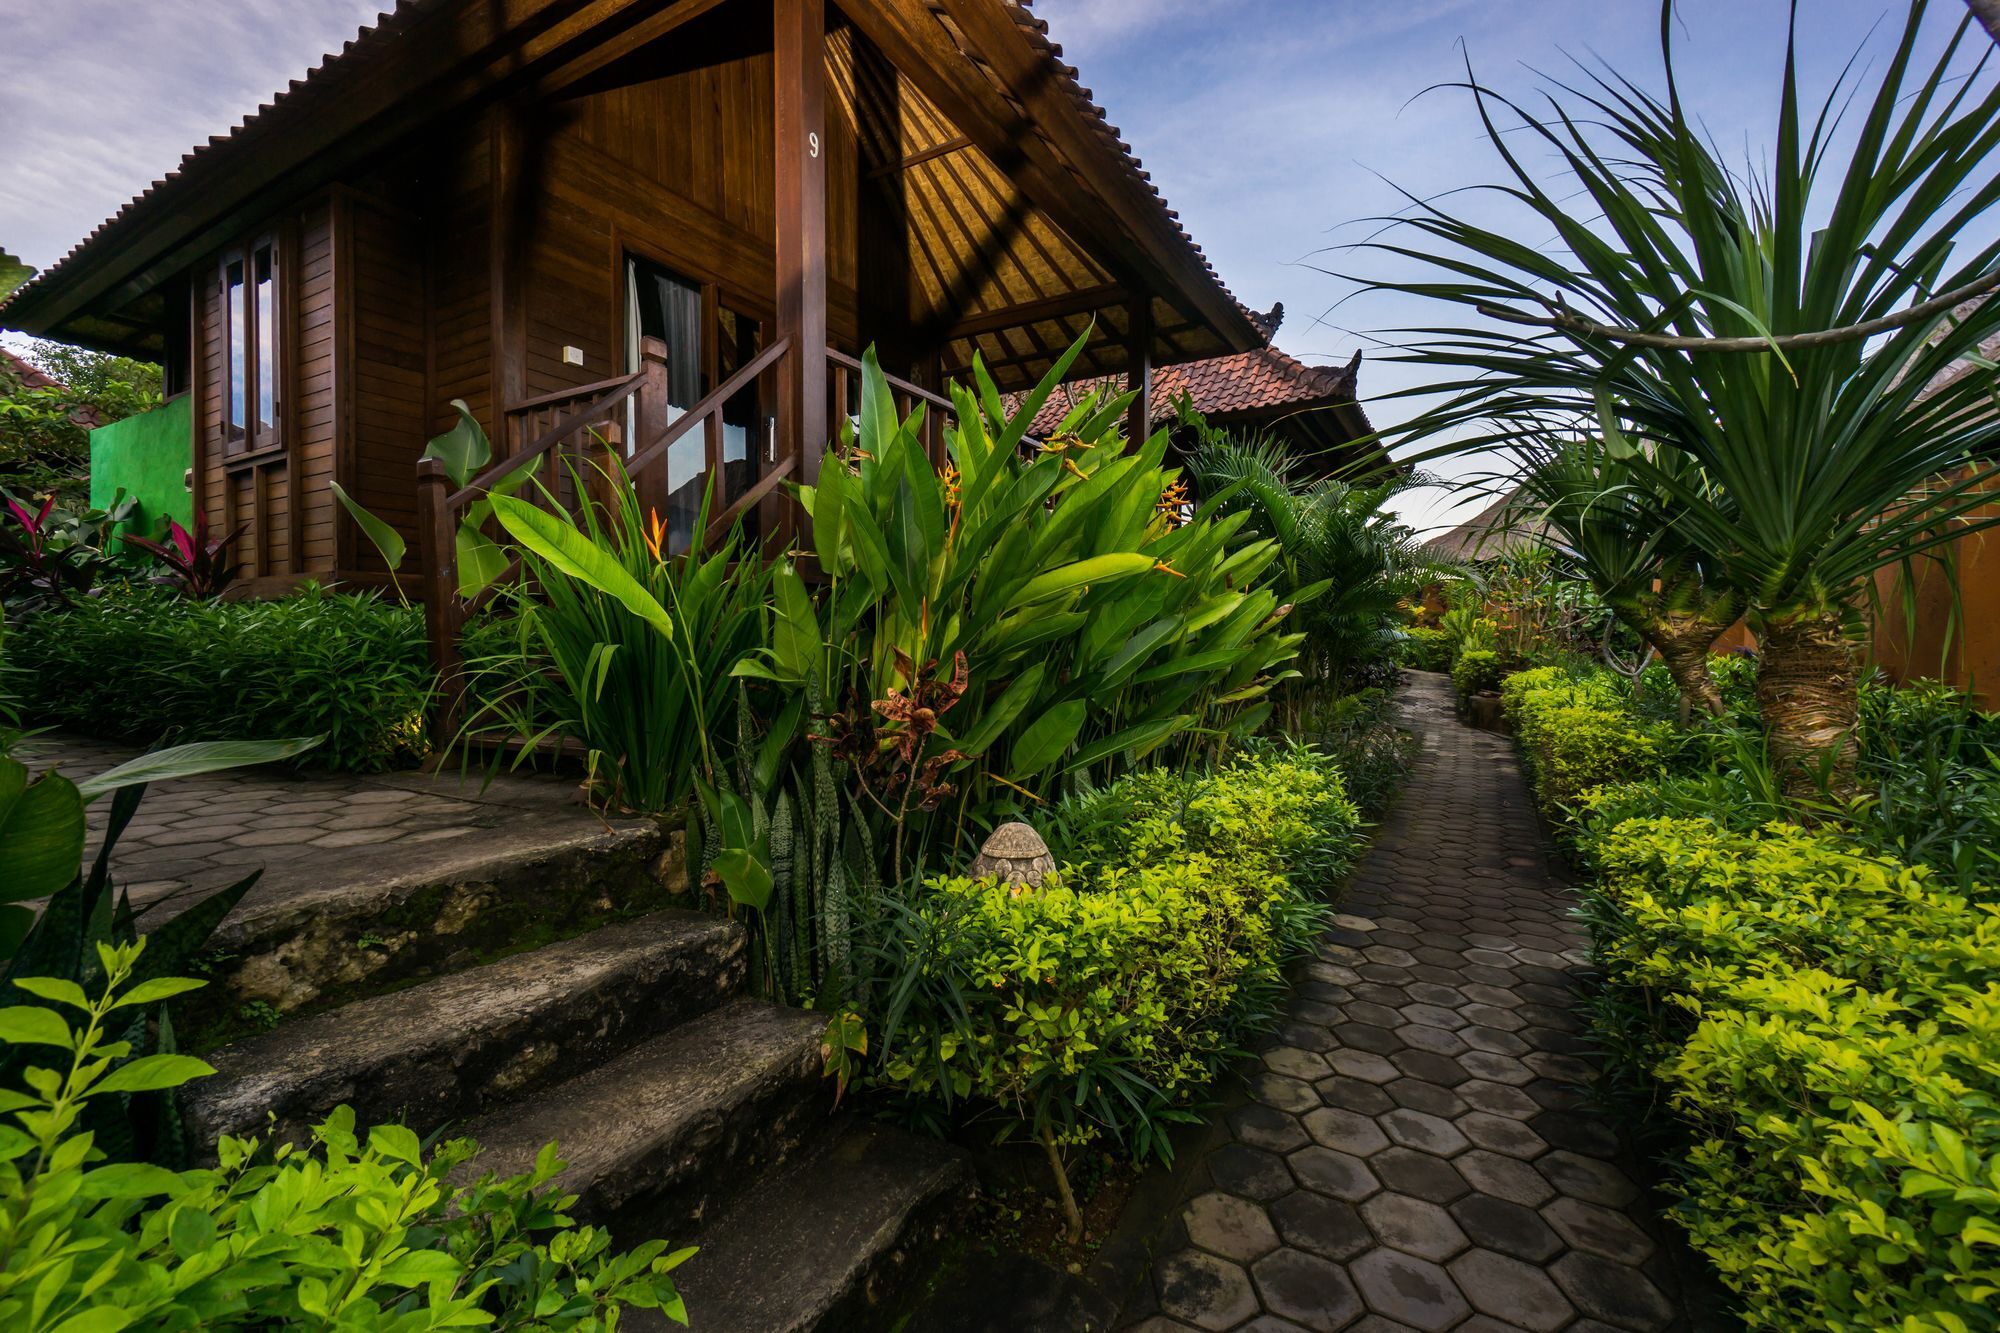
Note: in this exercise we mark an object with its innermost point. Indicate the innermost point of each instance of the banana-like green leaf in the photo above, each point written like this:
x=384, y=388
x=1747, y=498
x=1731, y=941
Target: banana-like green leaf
x=553, y=539
x=464, y=449
x=181, y=761
x=1139, y=739
x=1016, y=697
x=41, y=828
x=1047, y=737
x=385, y=537
x=1077, y=574
x=481, y=560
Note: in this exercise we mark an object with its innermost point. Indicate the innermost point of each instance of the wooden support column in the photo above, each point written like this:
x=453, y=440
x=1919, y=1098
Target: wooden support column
x=1139, y=370
x=799, y=92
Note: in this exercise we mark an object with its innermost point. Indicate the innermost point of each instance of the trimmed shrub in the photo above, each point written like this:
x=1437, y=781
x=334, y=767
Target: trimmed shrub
x=1427, y=649
x=1828, y=1025
x=1477, y=671
x=1578, y=733
x=149, y=665
x=1101, y=1005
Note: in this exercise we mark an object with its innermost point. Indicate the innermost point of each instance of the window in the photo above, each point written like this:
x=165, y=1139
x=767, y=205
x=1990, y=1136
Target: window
x=250, y=353
x=707, y=342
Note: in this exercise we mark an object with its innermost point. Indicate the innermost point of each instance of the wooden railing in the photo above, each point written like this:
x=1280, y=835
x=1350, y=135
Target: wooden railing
x=844, y=374
x=577, y=430
x=582, y=426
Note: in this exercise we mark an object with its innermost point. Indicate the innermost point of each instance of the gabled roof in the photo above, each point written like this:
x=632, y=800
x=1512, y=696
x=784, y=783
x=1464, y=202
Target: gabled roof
x=1262, y=388
x=984, y=66
x=1259, y=382
x=25, y=372
x=1500, y=528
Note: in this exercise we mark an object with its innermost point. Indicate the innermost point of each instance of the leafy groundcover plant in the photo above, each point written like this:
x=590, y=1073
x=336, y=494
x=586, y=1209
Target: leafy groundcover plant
x=381, y=1233
x=149, y=664
x=1099, y=1006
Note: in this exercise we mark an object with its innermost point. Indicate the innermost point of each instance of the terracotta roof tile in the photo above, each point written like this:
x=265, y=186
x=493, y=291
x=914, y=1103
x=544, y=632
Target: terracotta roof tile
x=1263, y=379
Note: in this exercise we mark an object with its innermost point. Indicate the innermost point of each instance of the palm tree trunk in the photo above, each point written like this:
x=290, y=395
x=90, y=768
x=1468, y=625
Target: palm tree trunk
x=1809, y=699
x=1682, y=641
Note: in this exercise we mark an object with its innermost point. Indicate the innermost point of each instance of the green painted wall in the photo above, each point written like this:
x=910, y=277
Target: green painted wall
x=149, y=456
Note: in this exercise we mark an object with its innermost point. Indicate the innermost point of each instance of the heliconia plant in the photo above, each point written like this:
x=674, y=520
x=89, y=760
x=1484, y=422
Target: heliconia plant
x=465, y=452
x=979, y=635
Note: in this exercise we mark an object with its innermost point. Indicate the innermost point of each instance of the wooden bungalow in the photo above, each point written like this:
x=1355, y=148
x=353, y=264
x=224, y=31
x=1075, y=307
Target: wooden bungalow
x=674, y=221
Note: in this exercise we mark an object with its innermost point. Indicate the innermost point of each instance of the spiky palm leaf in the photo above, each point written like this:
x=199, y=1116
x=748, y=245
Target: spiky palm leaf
x=1812, y=466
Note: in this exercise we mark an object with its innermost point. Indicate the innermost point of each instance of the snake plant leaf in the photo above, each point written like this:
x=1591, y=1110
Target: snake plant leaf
x=556, y=541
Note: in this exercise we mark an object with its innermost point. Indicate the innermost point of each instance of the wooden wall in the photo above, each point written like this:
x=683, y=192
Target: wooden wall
x=463, y=266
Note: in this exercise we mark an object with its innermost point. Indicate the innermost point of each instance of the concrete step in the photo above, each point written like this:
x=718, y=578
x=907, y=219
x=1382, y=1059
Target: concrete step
x=463, y=1043
x=326, y=927
x=656, y=1138
x=837, y=1239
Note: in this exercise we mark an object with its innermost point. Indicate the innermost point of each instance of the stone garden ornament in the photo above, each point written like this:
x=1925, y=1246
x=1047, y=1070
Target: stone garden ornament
x=1016, y=855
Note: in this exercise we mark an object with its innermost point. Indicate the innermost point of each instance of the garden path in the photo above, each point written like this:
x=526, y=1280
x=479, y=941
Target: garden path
x=1417, y=1151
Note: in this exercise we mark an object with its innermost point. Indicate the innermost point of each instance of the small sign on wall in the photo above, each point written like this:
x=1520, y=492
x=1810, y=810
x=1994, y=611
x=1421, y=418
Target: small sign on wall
x=572, y=356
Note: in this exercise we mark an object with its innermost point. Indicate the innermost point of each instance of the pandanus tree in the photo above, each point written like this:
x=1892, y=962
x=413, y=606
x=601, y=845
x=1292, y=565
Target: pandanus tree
x=1624, y=534
x=1767, y=347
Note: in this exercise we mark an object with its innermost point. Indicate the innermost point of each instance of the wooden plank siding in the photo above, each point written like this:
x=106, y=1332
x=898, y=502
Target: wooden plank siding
x=464, y=265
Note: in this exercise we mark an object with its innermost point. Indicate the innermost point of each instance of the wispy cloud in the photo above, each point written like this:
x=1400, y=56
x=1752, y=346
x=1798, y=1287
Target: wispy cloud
x=102, y=97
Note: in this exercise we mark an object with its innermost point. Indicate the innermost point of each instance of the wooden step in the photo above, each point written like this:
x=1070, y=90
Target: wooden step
x=656, y=1137
x=461, y=1044
x=839, y=1239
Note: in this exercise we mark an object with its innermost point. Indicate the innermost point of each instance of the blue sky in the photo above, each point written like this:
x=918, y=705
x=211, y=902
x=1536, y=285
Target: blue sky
x=1276, y=127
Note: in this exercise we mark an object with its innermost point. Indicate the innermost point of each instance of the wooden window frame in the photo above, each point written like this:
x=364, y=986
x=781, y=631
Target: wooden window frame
x=254, y=438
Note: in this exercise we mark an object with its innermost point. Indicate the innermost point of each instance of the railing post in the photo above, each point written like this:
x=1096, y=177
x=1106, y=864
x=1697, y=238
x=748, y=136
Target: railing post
x=444, y=616
x=651, y=418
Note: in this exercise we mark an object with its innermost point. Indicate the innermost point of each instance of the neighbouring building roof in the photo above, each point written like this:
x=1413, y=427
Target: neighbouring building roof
x=25, y=372
x=1317, y=408
x=1497, y=530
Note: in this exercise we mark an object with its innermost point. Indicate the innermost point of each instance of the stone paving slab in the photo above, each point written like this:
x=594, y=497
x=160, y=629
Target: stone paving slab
x=368, y=881
x=310, y=831
x=1418, y=1151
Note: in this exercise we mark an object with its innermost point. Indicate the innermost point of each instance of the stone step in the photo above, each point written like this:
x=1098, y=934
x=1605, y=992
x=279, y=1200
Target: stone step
x=461, y=1044
x=837, y=1239
x=323, y=927
x=656, y=1138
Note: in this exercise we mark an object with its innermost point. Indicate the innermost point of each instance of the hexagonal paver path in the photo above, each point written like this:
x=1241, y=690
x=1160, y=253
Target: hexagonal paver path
x=1417, y=1151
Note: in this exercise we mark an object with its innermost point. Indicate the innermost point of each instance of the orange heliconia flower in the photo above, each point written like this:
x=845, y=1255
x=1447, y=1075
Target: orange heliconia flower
x=655, y=534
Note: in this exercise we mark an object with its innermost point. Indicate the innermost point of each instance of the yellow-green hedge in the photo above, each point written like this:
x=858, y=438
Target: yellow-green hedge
x=1578, y=733
x=1102, y=1004
x=1827, y=1023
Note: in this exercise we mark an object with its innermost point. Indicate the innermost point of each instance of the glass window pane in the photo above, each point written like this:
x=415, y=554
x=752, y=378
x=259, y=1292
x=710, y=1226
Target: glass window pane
x=267, y=343
x=239, y=346
x=668, y=307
